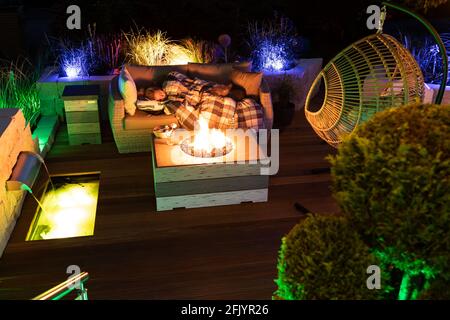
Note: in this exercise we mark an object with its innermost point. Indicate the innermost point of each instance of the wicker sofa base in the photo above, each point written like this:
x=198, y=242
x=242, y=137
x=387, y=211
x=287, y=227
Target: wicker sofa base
x=138, y=140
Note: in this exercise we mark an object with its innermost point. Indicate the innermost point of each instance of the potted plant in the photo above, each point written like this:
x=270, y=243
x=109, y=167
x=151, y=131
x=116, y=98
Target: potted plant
x=284, y=109
x=275, y=49
x=428, y=56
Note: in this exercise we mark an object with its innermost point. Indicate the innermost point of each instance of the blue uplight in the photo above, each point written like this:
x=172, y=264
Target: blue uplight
x=273, y=57
x=428, y=56
x=72, y=71
x=74, y=63
x=274, y=44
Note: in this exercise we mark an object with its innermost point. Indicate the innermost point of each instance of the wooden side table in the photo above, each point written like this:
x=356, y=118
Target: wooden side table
x=81, y=109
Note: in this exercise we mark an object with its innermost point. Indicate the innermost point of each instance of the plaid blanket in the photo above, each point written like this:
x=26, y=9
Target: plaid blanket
x=190, y=99
x=250, y=114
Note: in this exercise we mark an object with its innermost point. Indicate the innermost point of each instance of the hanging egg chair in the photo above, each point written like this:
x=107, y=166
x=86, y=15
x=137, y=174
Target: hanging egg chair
x=371, y=75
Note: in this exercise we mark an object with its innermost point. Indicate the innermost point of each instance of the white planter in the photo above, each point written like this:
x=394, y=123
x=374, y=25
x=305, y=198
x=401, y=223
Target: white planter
x=45, y=133
x=432, y=90
x=51, y=88
x=301, y=76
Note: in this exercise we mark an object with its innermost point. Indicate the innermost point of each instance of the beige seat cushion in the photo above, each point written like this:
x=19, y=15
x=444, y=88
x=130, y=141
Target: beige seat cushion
x=143, y=120
x=128, y=91
x=216, y=72
x=250, y=81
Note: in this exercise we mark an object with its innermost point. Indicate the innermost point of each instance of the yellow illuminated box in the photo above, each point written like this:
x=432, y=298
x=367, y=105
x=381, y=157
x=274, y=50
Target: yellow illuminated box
x=67, y=209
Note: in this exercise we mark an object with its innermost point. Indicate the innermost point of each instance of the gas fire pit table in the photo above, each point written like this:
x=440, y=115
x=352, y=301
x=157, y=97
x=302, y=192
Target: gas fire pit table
x=187, y=179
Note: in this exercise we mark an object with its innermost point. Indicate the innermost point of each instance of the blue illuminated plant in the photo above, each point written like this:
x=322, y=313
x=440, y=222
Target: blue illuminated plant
x=273, y=56
x=274, y=44
x=96, y=55
x=105, y=51
x=426, y=53
x=74, y=62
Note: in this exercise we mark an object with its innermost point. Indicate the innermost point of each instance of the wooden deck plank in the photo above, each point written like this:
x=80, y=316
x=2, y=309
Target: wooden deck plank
x=224, y=252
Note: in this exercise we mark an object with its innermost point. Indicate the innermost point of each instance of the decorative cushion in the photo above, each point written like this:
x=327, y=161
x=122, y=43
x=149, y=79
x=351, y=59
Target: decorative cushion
x=250, y=81
x=216, y=72
x=127, y=89
x=150, y=105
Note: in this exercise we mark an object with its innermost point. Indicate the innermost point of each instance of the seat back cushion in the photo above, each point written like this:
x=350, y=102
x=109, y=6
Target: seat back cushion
x=250, y=81
x=216, y=72
x=127, y=89
x=147, y=76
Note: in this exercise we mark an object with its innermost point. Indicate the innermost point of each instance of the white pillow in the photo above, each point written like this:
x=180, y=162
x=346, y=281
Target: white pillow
x=150, y=105
x=127, y=89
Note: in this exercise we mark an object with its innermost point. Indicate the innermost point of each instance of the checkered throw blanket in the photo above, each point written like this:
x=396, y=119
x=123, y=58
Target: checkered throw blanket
x=190, y=99
x=250, y=114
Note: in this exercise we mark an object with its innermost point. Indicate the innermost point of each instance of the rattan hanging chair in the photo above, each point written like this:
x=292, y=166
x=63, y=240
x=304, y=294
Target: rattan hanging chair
x=371, y=75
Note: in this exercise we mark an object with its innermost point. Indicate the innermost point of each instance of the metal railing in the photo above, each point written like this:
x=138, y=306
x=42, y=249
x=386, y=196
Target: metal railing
x=74, y=283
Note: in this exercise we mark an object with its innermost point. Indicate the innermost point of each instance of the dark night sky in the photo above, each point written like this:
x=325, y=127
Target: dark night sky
x=328, y=25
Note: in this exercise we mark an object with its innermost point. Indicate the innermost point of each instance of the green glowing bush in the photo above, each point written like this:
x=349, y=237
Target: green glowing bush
x=18, y=89
x=392, y=180
x=323, y=258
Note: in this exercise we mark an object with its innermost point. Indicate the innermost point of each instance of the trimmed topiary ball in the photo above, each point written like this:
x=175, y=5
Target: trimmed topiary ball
x=392, y=180
x=323, y=258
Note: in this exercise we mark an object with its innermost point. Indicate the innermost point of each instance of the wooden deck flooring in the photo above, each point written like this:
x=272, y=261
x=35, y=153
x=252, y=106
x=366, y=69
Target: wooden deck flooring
x=224, y=252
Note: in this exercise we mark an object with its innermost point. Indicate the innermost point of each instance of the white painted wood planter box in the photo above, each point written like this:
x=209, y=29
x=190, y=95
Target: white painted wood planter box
x=301, y=76
x=51, y=88
x=45, y=133
x=433, y=90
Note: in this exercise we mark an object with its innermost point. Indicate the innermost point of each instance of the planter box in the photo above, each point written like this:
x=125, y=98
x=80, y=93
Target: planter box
x=45, y=133
x=435, y=88
x=51, y=88
x=302, y=77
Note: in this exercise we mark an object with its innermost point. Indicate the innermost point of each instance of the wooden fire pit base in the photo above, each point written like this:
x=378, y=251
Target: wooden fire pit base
x=185, y=181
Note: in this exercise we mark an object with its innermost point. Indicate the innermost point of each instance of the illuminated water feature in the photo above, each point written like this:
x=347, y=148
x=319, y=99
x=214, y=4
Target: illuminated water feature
x=68, y=210
x=42, y=161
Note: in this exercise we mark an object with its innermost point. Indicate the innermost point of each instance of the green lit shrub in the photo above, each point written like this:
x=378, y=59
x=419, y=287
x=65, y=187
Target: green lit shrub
x=323, y=258
x=392, y=180
x=18, y=89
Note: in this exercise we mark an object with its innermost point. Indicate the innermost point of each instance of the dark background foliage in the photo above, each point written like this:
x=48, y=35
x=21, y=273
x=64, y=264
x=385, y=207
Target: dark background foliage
x=329, y=26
